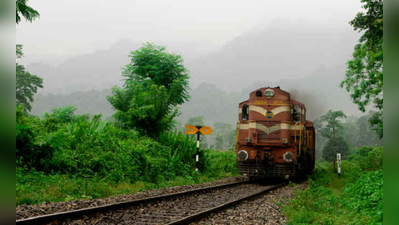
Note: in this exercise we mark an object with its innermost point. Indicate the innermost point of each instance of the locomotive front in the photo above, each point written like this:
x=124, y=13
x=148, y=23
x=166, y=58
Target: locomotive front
x=273, y=138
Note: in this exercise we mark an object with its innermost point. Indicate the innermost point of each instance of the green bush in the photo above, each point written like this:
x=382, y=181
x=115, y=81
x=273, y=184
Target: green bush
x=91, y=153
x=217, y=162
x=184, y=147
x=353, y=198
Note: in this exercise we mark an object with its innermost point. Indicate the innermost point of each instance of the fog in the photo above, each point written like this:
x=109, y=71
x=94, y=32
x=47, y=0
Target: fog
x=229, y=47
x=71, y=27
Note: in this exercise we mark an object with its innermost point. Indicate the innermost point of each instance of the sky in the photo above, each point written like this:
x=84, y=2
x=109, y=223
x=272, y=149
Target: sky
x=72, y=27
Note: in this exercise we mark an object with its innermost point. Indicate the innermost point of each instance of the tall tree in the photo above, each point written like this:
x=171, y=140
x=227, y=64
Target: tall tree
x=26, y=83
x=331, y=125
x=333, y=146
x=225, y=135
x=155, y=83
x=22, y=9
x=364, y=75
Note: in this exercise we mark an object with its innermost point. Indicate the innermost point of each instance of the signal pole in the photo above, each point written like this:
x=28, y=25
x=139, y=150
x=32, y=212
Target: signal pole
x=198, y=130
x=197, y=155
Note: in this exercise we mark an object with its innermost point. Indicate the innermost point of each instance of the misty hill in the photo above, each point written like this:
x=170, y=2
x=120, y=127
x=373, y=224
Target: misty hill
x=279, y=50
x=319, y=92
x=306, y=60
x=269, y=52
x=100, y=69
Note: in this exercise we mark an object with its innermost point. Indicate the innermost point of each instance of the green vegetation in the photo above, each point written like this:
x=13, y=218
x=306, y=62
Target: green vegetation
x=333, y=146
x=353, y=198
x=364, y=76
x=26, y=83
x=155, y=83
x=333, y=125
x=331, y=129
x=26, y=11
x=62, y=156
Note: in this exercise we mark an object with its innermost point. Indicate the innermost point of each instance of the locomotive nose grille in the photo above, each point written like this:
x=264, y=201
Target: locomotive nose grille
x=268, y=130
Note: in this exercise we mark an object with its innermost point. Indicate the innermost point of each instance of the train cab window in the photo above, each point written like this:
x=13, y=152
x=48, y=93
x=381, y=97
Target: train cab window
x=304, y=115
x=258, y=94
x=245, y=112
x=297, y=114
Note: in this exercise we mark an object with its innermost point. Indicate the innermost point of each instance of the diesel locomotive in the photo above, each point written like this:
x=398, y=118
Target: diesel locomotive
x=273, y=137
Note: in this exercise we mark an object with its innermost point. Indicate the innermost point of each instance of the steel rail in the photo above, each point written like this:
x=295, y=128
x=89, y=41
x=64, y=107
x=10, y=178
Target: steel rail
x=61, y=216
x=203, y=214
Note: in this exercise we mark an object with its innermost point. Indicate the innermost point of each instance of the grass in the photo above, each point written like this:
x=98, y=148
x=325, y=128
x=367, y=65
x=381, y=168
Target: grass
x=353, y=198
x=36, y=187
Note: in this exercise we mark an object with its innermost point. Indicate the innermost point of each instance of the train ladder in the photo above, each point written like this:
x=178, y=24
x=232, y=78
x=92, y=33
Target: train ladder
x=300, y=136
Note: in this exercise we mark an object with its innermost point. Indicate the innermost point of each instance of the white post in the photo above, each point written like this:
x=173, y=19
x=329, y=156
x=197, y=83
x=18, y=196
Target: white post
x=339, y=163
x=197, y=155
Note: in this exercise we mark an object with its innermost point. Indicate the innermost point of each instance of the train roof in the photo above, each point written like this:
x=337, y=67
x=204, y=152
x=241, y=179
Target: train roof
x=277, y=87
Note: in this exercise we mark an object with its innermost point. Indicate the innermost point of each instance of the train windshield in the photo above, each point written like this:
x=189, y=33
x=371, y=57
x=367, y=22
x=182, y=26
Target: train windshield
x=297, y=113
x=245, y=112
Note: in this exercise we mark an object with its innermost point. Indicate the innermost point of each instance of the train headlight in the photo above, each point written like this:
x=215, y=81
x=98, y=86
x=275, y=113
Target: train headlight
x=242, y=155
x=288, y=157
x=269, y=93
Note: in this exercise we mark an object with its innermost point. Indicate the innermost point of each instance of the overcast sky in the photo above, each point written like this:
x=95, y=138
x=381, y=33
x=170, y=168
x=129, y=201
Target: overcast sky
x=70, y=27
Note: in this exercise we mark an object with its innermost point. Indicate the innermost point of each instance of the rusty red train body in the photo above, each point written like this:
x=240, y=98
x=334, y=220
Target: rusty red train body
x=273, y=138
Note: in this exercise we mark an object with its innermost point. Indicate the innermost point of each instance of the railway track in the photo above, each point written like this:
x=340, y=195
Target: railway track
x=177, y=208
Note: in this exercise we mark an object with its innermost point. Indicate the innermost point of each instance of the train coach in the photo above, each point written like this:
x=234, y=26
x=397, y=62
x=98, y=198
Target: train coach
x=273, y=137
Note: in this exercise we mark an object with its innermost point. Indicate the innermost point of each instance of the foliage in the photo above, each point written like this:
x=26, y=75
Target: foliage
x=22, y=9
x=156, y=82
x=34, y=187
x=152, y=62
x=225, y=134
x=26, y=83
x=219, y=162
x=358, y=131
x=333, y=124
x=61, y=148
x=368, y=158
x=364, y=76
x=354, y=198
x=143, y=108
x=333, y=146
x=19, y=53
x=183, y=147
x=29, y=153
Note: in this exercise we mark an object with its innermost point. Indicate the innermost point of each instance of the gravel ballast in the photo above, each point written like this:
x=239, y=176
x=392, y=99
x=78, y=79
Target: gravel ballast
x=26, y=211
x=171, y=209
x=262, y=210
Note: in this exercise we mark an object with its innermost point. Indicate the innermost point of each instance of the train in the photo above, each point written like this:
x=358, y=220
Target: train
x=273, y=137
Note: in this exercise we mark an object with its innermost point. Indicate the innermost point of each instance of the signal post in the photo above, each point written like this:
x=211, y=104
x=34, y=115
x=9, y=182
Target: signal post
x=198, y=130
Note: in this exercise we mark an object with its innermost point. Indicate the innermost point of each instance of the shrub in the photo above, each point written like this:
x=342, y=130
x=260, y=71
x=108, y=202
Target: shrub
x=85, y=153
x=333, y=146
x=217, y=162
x=353, y=198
